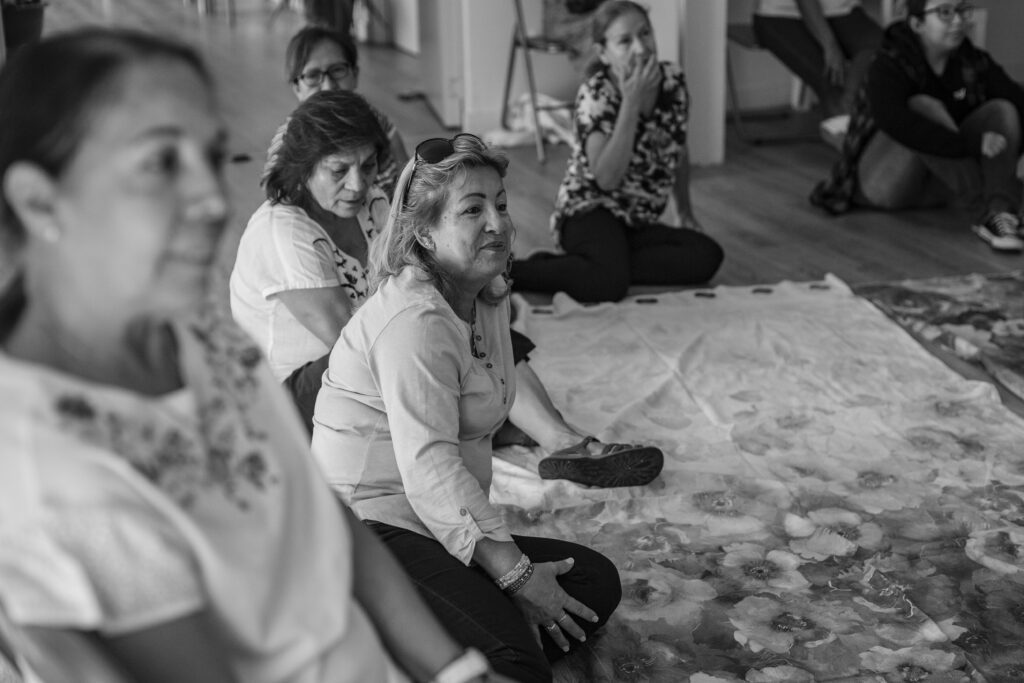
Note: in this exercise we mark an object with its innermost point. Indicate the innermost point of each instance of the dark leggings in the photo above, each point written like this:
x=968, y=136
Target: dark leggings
x=477, y=614
x=304, y=382
x=604, y=256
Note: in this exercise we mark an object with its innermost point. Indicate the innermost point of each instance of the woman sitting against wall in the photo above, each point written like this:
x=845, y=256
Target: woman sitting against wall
x=629, y=157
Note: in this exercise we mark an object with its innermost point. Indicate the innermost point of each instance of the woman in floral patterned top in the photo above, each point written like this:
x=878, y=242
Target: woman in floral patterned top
x=629, y=157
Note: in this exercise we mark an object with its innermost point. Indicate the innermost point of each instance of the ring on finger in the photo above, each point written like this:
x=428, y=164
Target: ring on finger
x=551, y=626
x=565, y=615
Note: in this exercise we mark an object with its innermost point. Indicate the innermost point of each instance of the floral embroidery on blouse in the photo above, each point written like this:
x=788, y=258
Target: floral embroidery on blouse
x=226, y=453
x=642, y=195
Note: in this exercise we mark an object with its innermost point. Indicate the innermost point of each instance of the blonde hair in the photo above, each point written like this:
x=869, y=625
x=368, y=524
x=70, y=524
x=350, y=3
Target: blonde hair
x=420, y=198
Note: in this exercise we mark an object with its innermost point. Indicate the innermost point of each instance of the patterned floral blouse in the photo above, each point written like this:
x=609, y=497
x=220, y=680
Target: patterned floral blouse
x=120, y=512
x=642, y=195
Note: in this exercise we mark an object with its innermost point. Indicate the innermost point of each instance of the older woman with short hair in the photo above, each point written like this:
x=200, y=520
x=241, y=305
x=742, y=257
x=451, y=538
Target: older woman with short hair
x=418, y=383
x=300, y=269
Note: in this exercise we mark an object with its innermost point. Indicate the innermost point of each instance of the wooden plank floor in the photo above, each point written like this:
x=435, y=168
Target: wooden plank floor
x=755, y=203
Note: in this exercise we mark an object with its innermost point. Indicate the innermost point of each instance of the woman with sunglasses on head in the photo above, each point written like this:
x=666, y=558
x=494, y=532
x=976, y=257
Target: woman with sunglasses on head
x=629, y=156
x=419, y=381
x=937, y=121
x=320, y=59
x=159, y=508
x=300, y=273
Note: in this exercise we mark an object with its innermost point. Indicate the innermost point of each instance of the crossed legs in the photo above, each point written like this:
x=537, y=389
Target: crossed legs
x=892, y=176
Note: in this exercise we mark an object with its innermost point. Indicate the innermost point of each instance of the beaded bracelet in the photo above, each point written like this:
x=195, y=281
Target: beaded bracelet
x=517, y=585
x=514, y=574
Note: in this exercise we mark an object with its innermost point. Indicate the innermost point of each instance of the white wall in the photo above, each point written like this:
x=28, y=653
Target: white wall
x=700, y=25
x=761, y=80
x=488, y=40
x=1002, y=34
x=405, y=15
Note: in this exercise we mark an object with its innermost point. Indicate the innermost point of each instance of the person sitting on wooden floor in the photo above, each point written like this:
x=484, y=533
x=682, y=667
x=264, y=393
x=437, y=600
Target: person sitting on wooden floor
x=628, y=157
x=938, y=119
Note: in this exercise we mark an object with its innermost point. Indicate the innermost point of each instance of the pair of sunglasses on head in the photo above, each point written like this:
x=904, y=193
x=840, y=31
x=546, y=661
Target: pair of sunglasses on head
x=436, y=150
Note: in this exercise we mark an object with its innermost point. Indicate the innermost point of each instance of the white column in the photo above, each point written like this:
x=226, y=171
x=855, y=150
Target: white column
x=702, y=25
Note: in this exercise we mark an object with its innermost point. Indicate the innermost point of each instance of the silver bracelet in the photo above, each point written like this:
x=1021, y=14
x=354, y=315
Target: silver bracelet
x=514, y=574
x=518, y=584
x=467, y=666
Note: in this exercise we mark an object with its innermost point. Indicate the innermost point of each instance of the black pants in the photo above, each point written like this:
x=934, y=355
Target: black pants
x=858, y=35
x=604, y=256
x=304, y=383
x=477, y=614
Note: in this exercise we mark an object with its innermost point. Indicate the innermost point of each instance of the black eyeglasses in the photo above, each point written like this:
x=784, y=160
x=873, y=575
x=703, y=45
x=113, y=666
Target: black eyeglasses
x=336, y=72
x=436, y=150
x=946, y=12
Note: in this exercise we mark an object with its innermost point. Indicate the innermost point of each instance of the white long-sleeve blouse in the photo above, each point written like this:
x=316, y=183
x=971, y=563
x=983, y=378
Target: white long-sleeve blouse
x=404, y=420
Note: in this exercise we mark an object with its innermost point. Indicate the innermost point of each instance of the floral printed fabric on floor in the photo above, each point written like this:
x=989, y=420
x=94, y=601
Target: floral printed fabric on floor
x=836, y=504
x=979, y=318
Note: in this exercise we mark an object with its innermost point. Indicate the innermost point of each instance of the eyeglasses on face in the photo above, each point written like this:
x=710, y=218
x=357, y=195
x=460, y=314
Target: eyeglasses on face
x=436, y=150
x=336, y=72
x=947, y=11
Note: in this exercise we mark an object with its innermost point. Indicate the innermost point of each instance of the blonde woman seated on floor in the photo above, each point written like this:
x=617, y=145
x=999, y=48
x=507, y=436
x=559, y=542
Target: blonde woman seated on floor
x=300, y=274
x=419, y=381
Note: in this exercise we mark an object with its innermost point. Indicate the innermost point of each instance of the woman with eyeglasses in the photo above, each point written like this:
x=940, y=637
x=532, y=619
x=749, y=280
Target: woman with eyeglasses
x=629, y=156
x=938, y=121
x=420, y=379
x=160, y=512
x=319, y=59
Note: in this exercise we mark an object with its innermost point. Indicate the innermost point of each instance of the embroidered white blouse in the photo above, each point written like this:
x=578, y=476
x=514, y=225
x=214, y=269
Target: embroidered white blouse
x=120, y=511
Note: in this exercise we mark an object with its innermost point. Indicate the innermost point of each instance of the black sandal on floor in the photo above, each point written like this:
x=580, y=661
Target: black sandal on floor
x=618, y=464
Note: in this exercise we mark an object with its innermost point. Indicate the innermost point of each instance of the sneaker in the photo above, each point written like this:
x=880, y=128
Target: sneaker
x=1000, y=232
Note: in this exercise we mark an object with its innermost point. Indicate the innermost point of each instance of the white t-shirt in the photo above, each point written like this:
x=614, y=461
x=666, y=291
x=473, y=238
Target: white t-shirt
x=120, y=511
x=788, y=8
x=283, y=249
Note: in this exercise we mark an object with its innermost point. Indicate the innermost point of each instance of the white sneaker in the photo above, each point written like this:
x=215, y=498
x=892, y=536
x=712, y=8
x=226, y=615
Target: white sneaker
x=1000, y=231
